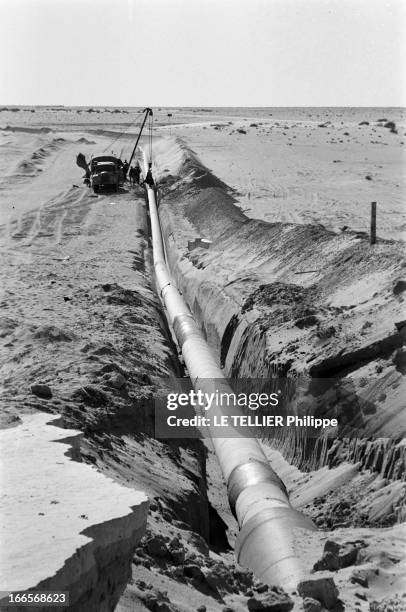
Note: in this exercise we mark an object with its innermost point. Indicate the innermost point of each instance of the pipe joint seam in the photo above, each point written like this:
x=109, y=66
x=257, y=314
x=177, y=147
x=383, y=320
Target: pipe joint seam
x=184, y=327
x=267, y=542
x=248, y=474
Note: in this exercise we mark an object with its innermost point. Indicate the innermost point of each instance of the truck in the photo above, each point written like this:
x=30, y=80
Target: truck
x=106, y=171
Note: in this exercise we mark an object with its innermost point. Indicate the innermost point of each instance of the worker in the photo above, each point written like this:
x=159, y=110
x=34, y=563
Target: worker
x=134, y=175
x=87, y=178
x=82, y=163
x=125, y=169
x=137, y=173
x=148, y=179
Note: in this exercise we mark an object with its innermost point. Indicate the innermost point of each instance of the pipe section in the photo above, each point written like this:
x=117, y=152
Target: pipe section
x=258, y=498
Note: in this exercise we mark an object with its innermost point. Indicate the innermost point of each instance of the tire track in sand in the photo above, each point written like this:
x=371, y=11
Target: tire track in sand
x=49, y=223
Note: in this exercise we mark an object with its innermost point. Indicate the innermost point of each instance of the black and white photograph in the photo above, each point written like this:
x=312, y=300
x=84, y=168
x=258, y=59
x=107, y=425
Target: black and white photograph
x=202, y=305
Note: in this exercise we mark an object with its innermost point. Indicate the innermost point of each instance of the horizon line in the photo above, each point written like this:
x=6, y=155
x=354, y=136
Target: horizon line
x=3, y=106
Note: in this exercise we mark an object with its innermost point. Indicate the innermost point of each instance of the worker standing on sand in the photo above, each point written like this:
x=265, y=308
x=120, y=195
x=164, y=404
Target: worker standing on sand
x=137, y=173
x=134, y=174
x=131, y=176
x=125, y=169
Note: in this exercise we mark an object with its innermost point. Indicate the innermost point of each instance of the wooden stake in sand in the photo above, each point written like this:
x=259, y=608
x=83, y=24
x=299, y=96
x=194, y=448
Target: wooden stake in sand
x=373, y=223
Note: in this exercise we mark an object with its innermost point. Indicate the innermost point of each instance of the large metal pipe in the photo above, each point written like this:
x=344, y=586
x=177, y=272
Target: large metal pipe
x=257, y=496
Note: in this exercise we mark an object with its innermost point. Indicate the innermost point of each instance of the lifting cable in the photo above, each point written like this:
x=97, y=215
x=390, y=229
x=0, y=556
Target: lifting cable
x=136, y=120
x=150, y=126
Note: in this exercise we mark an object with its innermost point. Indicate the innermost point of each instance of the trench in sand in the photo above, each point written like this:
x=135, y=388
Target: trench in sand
x=117, y=332
x=238, y=313
x=263, y=318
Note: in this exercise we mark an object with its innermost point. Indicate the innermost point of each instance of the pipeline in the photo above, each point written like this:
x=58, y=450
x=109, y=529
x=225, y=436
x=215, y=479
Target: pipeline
x=257, y=496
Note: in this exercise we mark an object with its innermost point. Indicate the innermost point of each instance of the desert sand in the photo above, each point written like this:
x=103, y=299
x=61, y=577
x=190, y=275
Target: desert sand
x=289, y=286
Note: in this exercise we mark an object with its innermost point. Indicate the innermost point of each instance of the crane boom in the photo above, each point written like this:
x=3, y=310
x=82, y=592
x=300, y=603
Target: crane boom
x=148, y=113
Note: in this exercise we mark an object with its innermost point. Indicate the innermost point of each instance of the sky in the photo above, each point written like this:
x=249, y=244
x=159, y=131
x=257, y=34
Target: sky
x=203, y=52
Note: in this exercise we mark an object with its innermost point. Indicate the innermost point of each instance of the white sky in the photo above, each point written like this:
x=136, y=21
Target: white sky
x=203, y=52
